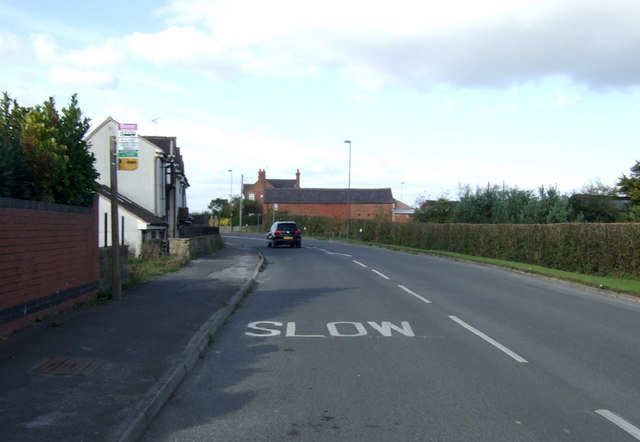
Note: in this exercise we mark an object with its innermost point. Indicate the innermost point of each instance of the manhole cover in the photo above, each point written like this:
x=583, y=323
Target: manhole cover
x=69, y=366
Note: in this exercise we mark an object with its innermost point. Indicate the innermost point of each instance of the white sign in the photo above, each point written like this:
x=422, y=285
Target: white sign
x=263, y=329
x=128, y=140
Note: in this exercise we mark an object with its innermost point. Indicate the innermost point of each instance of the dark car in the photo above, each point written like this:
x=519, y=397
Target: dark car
x=284, y=232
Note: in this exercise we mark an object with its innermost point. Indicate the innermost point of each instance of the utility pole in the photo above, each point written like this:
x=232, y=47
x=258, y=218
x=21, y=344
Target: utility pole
x=116, y=287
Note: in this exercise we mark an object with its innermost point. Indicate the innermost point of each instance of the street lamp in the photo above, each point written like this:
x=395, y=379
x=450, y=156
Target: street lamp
x=401, y=184
x=231, y=196
x=349, y=193
x=241, y=196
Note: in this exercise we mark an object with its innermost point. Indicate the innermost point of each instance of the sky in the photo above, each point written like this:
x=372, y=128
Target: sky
x=432, y=95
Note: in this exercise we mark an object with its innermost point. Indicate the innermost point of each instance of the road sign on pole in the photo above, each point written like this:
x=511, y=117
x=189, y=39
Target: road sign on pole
x=127, y=146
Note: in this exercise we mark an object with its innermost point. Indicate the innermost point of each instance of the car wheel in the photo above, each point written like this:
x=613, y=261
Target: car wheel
x=268, y=243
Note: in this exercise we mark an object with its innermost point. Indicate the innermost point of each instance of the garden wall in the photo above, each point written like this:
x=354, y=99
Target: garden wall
x=189, y=248
x=48, y=260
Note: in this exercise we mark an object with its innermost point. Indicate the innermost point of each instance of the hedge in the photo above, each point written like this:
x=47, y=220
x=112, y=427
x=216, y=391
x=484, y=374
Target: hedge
x=611, y=249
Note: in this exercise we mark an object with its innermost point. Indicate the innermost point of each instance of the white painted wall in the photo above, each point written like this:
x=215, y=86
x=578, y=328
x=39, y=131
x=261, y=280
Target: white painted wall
x=138, y=185
x=132, y=232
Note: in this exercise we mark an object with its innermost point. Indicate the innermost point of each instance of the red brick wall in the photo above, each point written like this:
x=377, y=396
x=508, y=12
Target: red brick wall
x=364, y=211
x=48, y=260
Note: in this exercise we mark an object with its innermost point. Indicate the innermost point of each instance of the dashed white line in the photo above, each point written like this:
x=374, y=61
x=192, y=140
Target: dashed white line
x=620, y=422
x=380, y=274
x=425, y=300
x=491, y=341
x=359, y=263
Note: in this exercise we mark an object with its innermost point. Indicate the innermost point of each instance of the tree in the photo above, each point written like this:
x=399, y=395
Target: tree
x=14, y=173
x=630, y=185
x=82, y=175
x=44, y=155
x=220, y=207
x=595, y=203
x=439, y=211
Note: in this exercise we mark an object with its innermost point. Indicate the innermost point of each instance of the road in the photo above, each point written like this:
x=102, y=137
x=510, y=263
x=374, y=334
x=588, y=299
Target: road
x=349, y=342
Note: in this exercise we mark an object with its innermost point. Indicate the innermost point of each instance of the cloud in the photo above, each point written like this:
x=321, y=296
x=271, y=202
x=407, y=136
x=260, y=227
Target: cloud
x=11, y=47
x=93, y=66
x=469, y=44
x=418, y=44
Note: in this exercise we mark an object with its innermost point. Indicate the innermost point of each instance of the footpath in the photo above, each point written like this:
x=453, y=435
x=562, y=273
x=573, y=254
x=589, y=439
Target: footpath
x=101, y=373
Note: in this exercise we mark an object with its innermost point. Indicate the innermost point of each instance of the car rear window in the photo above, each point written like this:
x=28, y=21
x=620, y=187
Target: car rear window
x=288, y=227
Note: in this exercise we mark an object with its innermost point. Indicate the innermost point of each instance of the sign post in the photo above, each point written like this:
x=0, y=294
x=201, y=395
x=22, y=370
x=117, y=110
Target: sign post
x=116, y=286
x=123, y=154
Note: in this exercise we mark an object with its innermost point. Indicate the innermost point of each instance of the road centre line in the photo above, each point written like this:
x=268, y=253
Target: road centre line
x=620, y=422
x=360, y=264
x=491, y=341
x=425, y=300
x=380, y=274
x=333, y=253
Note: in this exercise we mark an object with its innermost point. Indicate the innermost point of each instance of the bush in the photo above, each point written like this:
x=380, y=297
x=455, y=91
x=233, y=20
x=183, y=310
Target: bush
x=607, y=249
x=43, y=154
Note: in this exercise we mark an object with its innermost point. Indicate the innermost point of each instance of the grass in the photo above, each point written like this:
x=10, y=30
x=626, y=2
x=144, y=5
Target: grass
x=142, y=270
x=615, y=284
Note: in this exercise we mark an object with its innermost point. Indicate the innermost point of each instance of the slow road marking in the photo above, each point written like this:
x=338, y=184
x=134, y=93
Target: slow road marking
x=338, y=329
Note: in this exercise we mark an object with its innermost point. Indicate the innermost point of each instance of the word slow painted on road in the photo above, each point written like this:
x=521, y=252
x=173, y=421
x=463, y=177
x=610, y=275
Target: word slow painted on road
x=340, y=329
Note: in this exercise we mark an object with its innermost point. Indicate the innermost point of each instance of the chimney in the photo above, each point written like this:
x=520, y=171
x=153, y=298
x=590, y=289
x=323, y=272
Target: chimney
x=298, y=179
x=262, y=175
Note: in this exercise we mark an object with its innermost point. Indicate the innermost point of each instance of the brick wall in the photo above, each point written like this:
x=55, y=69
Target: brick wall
x=48, y=260
x=364, y=211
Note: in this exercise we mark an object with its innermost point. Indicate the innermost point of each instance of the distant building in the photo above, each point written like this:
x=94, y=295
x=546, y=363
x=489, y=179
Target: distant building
x=402, y=213
x=335, y=203
x=255, y=192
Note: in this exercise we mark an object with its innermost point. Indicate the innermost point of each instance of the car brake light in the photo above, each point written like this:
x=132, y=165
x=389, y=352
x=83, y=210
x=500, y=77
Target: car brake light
x=277, y=232
x=298, y=232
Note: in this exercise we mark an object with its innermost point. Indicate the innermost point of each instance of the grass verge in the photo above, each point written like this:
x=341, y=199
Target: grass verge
x=144, y=269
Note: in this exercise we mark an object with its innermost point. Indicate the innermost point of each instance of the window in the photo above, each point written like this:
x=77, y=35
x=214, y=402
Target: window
x=252, y=196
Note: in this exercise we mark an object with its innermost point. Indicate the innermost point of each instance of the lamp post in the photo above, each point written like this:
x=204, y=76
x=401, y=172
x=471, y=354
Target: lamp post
x=349, y=193
x=401, y=185
x=230, y=196
x=240, y=208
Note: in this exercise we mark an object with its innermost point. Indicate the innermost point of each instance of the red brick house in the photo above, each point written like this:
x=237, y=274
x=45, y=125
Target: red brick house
x=255, y=192
x=335, y=203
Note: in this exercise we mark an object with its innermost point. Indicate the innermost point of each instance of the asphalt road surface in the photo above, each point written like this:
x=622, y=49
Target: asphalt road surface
x=344, y=342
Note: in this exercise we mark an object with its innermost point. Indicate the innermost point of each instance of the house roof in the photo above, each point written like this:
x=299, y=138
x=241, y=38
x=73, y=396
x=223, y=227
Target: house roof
x=283, y=184
x=328, y=196
x=135, y=209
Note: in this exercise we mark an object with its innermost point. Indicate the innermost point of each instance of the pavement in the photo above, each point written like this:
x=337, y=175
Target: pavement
x=101, y=373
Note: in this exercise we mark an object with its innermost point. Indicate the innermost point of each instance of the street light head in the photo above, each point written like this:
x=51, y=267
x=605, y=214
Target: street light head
x=347, y=141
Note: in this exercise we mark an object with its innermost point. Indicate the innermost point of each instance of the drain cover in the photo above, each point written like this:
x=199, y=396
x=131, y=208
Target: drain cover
x=69, y=366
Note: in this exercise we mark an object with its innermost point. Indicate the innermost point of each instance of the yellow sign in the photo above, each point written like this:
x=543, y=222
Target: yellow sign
x=127, y=163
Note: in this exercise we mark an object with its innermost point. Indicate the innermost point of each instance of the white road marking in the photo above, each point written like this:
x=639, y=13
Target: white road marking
x=620, y=422
x=359, y=263
x=334, y=253
x=380, y=274
x=339, y=329
x=425, y=300
x=491, y=341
